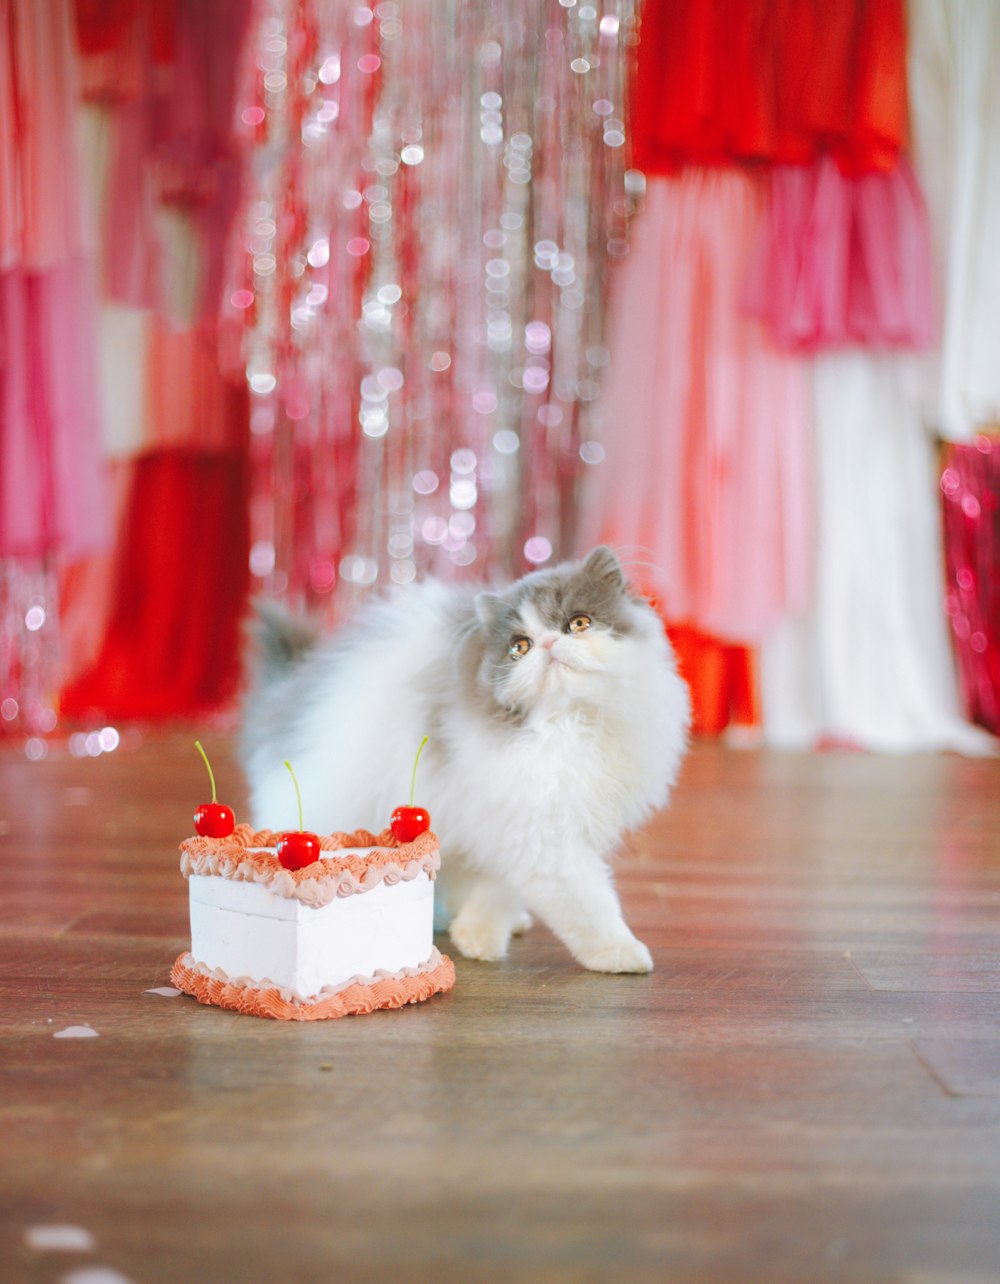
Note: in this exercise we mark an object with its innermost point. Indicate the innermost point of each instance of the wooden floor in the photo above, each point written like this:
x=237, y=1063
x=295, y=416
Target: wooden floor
x=807, y=1088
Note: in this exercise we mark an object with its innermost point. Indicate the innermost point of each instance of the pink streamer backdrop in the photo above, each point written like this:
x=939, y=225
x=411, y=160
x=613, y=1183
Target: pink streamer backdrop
x=423, y=273
x=970, y=489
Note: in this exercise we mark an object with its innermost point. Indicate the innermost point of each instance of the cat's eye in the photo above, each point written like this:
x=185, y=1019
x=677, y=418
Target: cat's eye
x=519, y=647
x=579, y=624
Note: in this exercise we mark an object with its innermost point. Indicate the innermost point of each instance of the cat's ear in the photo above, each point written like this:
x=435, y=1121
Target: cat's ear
x=604, y=568
x=488, y=607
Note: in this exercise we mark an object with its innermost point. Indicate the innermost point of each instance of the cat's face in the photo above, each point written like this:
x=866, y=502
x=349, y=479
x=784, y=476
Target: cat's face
x=555, y=635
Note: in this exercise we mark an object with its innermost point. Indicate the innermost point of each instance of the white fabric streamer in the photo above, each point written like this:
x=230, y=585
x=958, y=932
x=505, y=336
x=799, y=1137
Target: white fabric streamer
x=870, y=663
x=954, y=53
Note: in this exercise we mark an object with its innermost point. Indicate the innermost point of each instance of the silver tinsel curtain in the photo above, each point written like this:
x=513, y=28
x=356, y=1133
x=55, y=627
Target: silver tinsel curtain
x=438, y=191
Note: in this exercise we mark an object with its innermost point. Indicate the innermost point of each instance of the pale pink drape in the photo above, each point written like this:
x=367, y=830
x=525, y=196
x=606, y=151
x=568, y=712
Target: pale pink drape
x=843, y=259
x=53, y=495
x=707, y=469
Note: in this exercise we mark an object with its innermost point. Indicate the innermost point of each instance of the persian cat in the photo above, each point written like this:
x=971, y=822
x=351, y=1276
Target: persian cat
x=556, y=720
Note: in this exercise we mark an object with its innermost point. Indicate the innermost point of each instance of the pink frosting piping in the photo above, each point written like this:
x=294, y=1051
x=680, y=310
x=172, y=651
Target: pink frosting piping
x=321, y=882
x=354, y=998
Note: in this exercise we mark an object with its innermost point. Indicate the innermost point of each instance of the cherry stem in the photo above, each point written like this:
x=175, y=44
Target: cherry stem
x=413, y=781
x=197, y=745
x=298, y=796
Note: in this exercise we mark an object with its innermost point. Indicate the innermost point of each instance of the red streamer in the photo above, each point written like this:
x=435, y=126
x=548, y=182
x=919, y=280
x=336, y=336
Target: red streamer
x=172, y=643
x=970, y=487
x=720, y=81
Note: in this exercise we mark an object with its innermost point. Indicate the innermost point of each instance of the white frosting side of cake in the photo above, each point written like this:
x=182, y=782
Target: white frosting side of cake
x=249, y=932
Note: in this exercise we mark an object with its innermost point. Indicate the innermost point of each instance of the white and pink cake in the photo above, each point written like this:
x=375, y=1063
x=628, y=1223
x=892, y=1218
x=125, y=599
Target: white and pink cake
x=350, y=933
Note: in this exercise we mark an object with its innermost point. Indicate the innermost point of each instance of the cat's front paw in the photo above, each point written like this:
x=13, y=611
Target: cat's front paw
x=628, y=955
x=521, y=923
x=479, y=938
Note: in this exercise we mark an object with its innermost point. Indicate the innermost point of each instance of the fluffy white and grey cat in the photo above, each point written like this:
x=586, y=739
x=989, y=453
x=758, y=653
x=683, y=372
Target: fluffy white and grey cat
x=556, y=720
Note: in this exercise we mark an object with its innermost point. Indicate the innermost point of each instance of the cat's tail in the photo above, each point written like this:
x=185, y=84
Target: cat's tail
x=279, y=639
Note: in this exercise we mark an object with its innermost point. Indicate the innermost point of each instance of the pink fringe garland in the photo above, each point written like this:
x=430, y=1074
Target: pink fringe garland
x=843, y=260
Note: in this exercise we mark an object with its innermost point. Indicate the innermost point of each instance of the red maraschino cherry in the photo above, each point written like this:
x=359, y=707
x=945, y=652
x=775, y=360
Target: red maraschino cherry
x=297, y=848
x=214, y=819
x=409, y=822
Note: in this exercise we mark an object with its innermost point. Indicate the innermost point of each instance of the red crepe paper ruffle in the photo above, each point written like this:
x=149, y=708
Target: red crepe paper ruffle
x=786, y=81
x=172, y=643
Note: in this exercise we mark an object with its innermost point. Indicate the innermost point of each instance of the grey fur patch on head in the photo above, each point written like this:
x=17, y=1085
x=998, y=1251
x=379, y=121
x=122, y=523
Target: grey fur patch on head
x=603, y=567
x=488, y=607
x=595, y=586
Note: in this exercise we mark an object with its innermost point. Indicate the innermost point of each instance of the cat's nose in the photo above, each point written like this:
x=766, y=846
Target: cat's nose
x=548, y=642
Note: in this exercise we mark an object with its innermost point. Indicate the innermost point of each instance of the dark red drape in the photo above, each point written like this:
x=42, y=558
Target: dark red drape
x=785, y=81
x=172, y=643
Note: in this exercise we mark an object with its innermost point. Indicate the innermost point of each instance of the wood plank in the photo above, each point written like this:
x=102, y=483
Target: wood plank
x=965, y=1067
x=805, y=1089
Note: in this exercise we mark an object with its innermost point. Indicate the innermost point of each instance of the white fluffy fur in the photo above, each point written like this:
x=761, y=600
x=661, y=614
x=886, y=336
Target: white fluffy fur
x=528, y=814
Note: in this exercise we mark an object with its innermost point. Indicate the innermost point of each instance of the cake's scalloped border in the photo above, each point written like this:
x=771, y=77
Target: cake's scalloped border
x=359, y=996
x=317, y=884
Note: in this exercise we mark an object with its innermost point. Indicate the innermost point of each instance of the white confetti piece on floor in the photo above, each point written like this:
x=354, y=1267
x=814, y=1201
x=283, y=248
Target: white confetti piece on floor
x=60, y=1239
x=95, y=1275
x=76, y=1032
x=167, y=991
